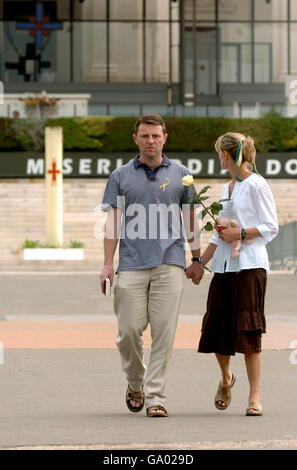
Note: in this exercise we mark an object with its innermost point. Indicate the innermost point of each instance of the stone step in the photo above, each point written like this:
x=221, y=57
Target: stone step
x=52, y=266
x=22, y=215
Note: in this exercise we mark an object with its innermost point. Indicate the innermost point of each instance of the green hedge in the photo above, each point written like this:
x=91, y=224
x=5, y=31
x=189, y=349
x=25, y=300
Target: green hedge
x=272, y=133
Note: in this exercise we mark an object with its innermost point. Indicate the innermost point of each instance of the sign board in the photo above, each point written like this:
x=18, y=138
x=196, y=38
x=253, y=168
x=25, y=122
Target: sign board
x=96, y=165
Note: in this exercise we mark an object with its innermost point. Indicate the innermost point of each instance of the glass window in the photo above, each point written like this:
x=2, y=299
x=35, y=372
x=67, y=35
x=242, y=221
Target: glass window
x=51, y=63
x=189, y=61
x=10, y=9
x=245, y=59
x=175, y=6
x=157, y=52
x=156, y=10
x=91, y=37
x=126, y=56
x=271, y=9
x=175, y=46
x=293, y=55
x=271, y=41
x=188, y=10
x=200, y=59
x=205, y=9
x=235, y=10
x=235, y=64
x=262, y=63
x=89, y=10
x=63, y=10
x=125, y=9
x=206, y=54
x=293, y=10
x=235, y=32
x=229, y=62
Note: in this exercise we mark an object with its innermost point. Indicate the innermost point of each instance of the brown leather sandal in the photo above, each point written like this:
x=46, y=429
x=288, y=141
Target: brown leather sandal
x=135, y=396
x=258, y=411
x=150, y=412
x=224, y=394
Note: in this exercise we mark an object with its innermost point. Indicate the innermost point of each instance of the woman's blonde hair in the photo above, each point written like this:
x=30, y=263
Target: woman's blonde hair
x=230, y=141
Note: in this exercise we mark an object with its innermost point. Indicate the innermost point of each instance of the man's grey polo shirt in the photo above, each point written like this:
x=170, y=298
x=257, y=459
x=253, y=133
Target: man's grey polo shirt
x=152, y=232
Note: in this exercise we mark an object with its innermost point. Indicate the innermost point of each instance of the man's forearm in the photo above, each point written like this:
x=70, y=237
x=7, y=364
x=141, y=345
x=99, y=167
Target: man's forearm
x=196, y=253
x=113, y=225
x=192, y=230
x=110, y=245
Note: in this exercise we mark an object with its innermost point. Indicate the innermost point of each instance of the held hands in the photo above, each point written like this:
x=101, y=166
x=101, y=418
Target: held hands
x=195, y=272
x=107, y=271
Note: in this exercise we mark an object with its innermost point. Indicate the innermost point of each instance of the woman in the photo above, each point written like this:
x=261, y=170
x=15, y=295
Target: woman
x=234, y=321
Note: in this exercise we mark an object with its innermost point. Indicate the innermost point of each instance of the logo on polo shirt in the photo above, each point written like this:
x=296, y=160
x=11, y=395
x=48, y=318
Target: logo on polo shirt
x=163, y=186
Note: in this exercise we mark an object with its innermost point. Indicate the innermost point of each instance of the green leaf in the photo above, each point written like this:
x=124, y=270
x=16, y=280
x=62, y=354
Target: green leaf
x=196, y=199
x=203, y=190
x=207, y=269
x=216, y=205
x=208, y=227
x=214, y=211
x=31, y=244
x=203, y=198
x=203, y=213
x=216, y=208
x=224, y=200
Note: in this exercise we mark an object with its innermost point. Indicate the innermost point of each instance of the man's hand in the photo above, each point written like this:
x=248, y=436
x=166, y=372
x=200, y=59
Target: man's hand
x=195, y=272
x=107, y=271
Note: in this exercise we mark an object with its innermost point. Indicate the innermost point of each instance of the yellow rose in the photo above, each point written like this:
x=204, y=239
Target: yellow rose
x=188, y=180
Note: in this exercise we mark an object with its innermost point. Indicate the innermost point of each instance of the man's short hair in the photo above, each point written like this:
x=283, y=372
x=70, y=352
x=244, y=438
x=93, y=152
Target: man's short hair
x=153, y=119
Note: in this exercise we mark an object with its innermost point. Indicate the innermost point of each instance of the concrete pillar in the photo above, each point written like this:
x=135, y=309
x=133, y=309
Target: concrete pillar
x=54, y=185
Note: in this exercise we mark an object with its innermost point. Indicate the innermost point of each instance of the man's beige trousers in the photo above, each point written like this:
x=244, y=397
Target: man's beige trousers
x=148, y=296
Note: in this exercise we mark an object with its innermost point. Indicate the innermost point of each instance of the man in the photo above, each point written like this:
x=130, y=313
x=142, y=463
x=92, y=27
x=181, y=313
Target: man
x=151, y=260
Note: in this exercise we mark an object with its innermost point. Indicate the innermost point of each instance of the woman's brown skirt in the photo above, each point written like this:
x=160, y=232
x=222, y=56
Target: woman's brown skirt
x=235, y=320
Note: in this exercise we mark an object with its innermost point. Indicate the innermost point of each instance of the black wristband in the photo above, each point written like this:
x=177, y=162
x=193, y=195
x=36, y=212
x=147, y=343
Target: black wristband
x=243, y=234
x=199, y=259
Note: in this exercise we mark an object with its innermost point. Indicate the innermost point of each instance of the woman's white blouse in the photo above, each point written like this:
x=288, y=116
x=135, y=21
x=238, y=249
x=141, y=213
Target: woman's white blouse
x=251, y=205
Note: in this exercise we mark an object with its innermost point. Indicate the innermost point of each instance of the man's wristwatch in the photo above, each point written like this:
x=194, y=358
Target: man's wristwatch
x=199, y=259
x=242, y=234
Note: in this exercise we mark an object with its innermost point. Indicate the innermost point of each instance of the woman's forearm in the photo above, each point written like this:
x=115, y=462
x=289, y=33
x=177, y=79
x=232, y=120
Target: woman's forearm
x=252, y=232
x=208, y=253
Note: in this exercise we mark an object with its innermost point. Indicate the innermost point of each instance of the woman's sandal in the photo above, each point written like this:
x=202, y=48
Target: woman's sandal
x=224, y=394
x=151, y=412
x=258, y=411
x=134, y=396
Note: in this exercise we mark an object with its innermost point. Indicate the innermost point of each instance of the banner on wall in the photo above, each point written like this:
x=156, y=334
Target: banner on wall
x=94, y=165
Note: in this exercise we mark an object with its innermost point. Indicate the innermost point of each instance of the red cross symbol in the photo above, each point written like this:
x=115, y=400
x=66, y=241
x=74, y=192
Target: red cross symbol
x=54, y=171
x=39, y=25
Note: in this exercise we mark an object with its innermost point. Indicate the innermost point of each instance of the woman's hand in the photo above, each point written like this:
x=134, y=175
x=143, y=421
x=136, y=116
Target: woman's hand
x=230, y=234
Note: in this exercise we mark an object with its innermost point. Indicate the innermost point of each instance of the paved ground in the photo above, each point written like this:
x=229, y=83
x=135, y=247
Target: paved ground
x=60, y=366
x=78, y=296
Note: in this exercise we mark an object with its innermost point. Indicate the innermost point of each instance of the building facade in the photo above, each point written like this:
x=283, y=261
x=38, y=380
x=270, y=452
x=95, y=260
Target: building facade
x=183, y=57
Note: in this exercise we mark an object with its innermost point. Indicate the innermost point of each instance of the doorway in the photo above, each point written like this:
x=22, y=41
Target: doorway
x=200, y=62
